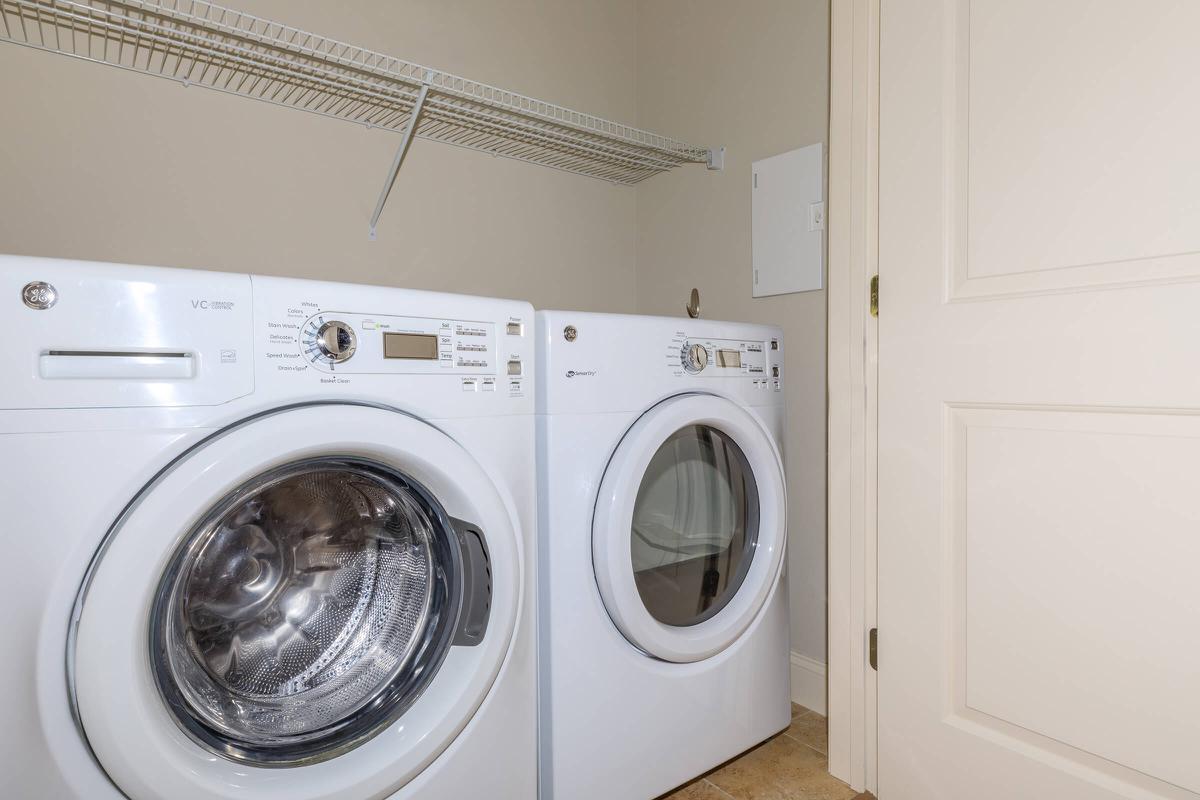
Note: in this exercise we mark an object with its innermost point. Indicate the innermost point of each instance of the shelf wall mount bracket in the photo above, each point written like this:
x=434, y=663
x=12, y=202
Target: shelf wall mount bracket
x=405, y=140
x=716, y=158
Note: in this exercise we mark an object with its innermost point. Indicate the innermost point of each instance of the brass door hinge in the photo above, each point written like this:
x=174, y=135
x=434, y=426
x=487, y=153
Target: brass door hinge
x=874, y=295
x=873, y=648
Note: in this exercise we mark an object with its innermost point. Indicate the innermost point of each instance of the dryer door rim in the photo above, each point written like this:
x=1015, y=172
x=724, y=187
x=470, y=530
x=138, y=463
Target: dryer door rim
x=612, y=549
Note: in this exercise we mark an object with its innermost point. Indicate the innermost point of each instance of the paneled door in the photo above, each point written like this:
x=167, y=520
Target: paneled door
x=1039, y=400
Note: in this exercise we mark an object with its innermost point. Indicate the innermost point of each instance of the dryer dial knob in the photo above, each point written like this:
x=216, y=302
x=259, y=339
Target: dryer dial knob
x=336, y=341
x=695, y=358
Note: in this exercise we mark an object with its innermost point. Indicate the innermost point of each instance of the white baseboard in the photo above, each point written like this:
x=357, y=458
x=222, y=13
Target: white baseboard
x=808, y=682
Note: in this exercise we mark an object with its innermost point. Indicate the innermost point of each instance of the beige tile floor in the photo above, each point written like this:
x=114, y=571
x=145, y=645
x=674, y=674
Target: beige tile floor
x=789, y=766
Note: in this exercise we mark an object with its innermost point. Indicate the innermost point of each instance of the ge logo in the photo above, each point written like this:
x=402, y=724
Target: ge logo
x=39, y=295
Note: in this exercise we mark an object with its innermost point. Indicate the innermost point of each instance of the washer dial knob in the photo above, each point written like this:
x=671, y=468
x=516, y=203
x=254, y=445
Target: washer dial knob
x=695, y=358
x=336, y=341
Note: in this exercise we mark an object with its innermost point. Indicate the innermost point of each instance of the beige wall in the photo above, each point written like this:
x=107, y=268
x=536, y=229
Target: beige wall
x=753, y=76
x=99, y=163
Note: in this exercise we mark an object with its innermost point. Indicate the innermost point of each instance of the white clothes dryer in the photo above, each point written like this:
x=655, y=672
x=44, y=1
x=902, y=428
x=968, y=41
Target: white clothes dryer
x=265, y=539
x=663, y=617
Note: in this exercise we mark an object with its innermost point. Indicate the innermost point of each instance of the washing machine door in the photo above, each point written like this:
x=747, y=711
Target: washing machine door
x=690, y=526
x=310, y=604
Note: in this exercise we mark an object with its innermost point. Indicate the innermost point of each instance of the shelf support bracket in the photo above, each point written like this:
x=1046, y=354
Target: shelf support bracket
x=405, y=141
x=716, y=158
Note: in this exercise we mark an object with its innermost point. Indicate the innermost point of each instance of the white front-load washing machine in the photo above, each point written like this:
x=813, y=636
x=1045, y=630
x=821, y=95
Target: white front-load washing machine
x=663, y=608
x=264, y=539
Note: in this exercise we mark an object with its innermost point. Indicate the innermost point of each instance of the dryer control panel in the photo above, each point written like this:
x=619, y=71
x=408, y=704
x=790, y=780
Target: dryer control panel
x=598, y=363
x=725, y=358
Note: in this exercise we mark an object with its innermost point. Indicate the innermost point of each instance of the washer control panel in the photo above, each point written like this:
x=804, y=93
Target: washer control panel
x=348, y=343
x=726, y=358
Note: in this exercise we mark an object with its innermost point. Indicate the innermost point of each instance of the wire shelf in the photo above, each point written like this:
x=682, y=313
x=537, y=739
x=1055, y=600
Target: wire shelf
x=201, y=44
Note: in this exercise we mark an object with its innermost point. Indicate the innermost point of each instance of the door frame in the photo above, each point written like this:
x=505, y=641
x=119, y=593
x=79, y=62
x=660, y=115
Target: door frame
x=853, y=347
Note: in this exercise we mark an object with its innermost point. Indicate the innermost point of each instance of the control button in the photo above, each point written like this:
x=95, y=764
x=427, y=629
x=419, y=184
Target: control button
x=488, y=385
x=516, y=329
x=514, y=367
x=774, y=344
x=775, y=371
x=776, y=385
x=336, y=341
x=368, y=325
x=695, y=358
x=468, y=384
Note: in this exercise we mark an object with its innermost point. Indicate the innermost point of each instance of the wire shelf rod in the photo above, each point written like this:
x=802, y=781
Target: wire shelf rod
x=198, y=43
x=244, y=56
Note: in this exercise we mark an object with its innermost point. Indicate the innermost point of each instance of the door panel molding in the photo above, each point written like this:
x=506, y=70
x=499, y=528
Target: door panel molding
x=995, y=453
x=1000, y=112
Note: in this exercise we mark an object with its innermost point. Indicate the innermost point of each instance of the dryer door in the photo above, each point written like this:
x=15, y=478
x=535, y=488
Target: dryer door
x=689, y=531
x=310, y=604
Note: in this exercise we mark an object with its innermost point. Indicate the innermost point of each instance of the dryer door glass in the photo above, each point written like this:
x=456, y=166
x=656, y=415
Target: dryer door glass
x=695, y=526
x=306, y=610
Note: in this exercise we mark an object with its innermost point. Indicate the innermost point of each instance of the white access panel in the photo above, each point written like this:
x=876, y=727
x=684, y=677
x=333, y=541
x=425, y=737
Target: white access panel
x=788, y=221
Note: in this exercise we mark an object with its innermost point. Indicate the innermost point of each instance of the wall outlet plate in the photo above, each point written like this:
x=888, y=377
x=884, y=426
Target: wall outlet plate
x=816, y=216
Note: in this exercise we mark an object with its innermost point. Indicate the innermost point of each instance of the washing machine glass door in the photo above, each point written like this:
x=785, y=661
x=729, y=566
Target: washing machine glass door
x=688, y=535
x=283, y=596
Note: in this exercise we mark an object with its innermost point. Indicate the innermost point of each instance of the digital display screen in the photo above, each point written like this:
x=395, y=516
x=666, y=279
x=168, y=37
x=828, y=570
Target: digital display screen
x=410, y=345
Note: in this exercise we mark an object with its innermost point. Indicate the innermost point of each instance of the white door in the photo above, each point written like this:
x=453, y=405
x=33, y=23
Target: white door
x=1039, y=436
x=309, y=605
x=689, y=532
